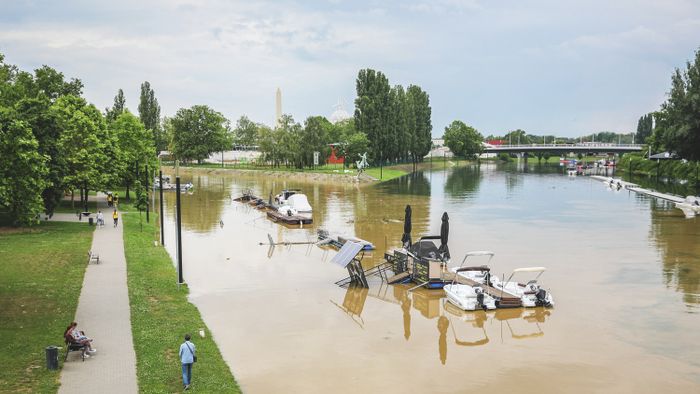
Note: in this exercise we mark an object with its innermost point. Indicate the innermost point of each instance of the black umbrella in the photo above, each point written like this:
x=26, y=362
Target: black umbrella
x=444, y=233
x=406, y=238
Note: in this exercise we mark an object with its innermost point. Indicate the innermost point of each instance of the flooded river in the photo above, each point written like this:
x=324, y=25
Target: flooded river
x=624, y=271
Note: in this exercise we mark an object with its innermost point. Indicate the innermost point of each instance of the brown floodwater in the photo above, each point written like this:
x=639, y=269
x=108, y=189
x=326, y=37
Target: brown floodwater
x=624, y=271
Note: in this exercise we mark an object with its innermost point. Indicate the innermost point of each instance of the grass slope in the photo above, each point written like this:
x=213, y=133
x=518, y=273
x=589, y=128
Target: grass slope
x=161, y=315
x=38, y=301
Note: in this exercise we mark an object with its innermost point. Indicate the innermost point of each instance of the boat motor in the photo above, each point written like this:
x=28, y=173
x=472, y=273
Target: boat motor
x=480, y=297
x=541, y=297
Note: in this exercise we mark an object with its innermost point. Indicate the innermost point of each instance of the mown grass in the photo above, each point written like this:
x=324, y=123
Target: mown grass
x=385, y=173
x=42, y=275
x=160, y=317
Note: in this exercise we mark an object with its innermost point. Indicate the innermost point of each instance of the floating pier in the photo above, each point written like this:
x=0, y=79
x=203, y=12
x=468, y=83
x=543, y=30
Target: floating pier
x=288, y=219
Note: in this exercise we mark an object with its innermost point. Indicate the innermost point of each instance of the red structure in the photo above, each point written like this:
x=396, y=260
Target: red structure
x=333, y=158
x=496, y=142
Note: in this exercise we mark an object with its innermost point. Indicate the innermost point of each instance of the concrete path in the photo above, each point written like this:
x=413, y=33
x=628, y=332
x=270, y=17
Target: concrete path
x=104, y=314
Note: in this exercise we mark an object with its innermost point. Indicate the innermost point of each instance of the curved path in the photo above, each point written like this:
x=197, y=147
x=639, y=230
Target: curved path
x=104, y=314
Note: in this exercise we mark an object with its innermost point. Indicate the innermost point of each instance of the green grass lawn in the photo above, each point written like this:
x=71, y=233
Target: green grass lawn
x=160, y=317
x=386, y=173
x=37, y=300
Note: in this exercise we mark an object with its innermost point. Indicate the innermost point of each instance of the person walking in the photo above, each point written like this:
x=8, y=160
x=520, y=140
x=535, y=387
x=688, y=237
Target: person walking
x=187, y=358
x=115, y=216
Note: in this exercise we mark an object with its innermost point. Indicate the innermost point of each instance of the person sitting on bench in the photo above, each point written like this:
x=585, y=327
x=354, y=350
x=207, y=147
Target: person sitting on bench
x=79, y=337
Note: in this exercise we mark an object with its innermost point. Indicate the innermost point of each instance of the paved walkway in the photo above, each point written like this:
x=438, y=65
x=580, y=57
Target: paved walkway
x=104, y=314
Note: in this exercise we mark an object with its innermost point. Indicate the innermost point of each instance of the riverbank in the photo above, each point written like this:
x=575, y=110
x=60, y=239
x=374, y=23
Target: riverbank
x=161, y=315
x=42, y=276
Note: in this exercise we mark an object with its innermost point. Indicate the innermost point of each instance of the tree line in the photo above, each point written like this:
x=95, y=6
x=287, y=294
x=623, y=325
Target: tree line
x=677, y=127
x=52, y=141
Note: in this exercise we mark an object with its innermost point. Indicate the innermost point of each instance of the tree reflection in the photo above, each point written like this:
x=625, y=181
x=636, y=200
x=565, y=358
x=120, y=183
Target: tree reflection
x=201, y=209
x=415, y=184
x=463, y=181
x=677, y=239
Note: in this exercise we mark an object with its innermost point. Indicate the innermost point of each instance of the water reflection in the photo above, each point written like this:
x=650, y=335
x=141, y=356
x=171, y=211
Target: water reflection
x=677, y=239
x=463, y=182
x=468, y=328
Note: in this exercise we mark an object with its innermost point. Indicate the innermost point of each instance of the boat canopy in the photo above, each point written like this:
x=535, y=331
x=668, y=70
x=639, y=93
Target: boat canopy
x=529, y=269
x=477, y=253
x=299, y=202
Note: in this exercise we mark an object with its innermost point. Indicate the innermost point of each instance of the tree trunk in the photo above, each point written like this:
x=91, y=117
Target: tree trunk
x=128, y=197
x=72, y=198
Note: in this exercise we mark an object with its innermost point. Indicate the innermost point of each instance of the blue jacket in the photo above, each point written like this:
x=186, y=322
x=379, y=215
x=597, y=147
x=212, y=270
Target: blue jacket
x=186, y=357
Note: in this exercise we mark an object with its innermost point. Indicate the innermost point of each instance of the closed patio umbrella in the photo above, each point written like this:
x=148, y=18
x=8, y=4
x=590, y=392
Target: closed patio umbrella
x=406, y=238
x=444, y=234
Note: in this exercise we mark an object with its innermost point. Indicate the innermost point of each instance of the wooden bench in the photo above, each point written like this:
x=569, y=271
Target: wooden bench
x=74, y=347
x=92, y=256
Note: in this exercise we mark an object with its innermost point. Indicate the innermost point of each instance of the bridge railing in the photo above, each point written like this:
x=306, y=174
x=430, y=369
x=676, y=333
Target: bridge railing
x=559, y=146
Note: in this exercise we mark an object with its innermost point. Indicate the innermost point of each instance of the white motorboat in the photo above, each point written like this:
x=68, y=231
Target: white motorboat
x=467, y=296
x=690, y=206
x=531, y=293
x=293, y=199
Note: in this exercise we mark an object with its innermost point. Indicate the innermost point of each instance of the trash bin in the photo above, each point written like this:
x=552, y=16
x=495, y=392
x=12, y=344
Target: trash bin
x=90, y=221
x=52, y=358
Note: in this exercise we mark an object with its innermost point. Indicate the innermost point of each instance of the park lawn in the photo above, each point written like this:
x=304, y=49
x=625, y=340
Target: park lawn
x=161, y=315
x=38, y=300
x=387, y=173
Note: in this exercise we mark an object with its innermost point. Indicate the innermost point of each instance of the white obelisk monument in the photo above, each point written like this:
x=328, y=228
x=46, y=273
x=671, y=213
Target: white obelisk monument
x=278, y=107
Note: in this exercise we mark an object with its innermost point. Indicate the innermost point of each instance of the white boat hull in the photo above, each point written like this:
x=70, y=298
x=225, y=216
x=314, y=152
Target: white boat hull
x=466, y=298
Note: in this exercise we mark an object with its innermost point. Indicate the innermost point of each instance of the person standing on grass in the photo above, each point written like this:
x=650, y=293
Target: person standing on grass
x=187, y=358
x=115, y=216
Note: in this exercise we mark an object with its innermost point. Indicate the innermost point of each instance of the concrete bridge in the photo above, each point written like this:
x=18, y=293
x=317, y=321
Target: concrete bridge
x=592, y=147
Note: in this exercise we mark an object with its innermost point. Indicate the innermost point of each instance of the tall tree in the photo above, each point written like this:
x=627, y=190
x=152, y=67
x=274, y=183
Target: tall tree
x=22, y=171
x=198, y=132
x=83, y=144
x=149, y=113
x=315, y=139
x=119, y=106
x=135, y=147
x=463, y=140
x=423, y=126
x=679, y=123
x=372, y=109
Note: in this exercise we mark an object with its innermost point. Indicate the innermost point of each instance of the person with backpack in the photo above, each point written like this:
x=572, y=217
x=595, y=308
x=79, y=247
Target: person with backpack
x=187, y=358
x=115, y=216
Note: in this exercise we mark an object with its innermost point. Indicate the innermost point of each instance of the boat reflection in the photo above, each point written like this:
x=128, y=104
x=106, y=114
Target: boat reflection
x=469, y=328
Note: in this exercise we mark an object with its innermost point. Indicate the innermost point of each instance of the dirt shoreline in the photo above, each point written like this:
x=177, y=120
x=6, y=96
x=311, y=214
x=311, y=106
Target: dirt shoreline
x=363, y=179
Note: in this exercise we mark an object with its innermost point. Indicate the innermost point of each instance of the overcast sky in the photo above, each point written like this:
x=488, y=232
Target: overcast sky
x=548, y=67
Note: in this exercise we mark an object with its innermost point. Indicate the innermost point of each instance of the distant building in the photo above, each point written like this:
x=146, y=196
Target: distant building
x=340, y=114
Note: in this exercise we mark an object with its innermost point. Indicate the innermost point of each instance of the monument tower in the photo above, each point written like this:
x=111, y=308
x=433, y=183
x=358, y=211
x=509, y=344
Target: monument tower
x=278, y=107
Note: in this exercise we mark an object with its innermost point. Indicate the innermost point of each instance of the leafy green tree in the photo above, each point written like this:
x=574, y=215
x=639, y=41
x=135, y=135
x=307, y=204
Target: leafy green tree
x=83, y=144
x=315, y=139
x=198, y=132
x=518, y=137
x=135, y=147
x=22, y=171
x=149, y=113
x=372, y=109
x=679, y=121
x=355, y=145
x=422, y=139
x=119, y=106
x=644, y=128
x=463, y=140
x=245, y=133
x=31, y=96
